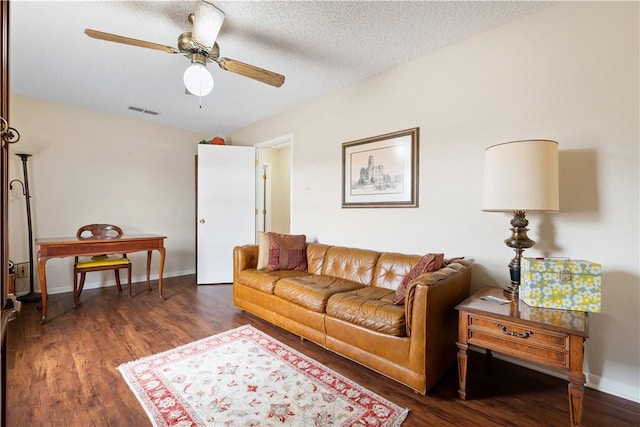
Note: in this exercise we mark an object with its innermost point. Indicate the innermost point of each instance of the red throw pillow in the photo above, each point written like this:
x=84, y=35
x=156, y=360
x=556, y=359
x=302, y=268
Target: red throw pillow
x=429, y=262
x=287, y=252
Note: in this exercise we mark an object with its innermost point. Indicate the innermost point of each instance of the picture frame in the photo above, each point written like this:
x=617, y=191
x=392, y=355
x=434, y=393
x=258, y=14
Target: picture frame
x=381, y=171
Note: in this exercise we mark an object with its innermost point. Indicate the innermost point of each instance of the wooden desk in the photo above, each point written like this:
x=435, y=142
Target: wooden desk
x=550, y=337
x=61, y=247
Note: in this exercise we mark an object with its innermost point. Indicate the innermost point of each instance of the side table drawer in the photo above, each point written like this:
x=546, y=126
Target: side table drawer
x=546, y=347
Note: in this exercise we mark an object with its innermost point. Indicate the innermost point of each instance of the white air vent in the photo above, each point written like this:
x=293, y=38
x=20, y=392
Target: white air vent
x=143, y=110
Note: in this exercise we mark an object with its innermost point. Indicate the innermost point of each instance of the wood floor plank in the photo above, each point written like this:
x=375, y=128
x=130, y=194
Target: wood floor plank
x=64, y=373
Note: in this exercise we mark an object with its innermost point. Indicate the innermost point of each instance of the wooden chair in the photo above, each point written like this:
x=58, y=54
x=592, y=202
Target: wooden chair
x=100, y=262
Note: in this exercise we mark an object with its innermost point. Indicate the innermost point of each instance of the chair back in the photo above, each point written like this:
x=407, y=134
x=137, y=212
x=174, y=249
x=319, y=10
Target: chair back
x=99, y=231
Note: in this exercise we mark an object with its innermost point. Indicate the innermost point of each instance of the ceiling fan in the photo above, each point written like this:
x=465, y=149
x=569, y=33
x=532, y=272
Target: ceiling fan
x=200, y=47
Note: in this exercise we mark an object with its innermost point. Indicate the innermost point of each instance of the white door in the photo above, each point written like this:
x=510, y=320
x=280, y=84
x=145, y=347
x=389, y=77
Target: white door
x=226, y=208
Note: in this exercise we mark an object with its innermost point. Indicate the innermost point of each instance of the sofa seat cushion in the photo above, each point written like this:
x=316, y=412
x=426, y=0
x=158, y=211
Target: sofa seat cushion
x=371, y=308
x=312, y=291
x=265, y=281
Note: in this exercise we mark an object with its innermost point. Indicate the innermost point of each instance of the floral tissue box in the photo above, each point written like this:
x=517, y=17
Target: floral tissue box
x=561, y=283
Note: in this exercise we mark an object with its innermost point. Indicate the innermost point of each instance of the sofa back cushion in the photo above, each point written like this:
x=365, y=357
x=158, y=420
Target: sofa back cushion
x=392, y=268
x=357, y=265
x=315, y=257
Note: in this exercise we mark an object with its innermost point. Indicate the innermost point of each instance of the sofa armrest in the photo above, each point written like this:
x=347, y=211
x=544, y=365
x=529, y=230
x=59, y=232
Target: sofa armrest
x=432, y=320
x=445, y=289
x=244, y=257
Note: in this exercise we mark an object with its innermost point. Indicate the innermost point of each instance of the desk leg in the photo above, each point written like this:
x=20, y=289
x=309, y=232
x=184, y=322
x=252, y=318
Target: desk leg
x=576, y=379
x=161, y=270
x=43, y=287
x=149, y=271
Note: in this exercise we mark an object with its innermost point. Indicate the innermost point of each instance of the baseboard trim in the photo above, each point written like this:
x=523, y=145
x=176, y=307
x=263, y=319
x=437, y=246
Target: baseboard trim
x=595, y=382
x=95, y=285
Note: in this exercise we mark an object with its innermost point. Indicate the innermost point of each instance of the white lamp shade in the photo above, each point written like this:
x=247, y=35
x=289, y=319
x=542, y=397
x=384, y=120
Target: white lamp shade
x=207, y=21
x=197, y=80
x=521, y=176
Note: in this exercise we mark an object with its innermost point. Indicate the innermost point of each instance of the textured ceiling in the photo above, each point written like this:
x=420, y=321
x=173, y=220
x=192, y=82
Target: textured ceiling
x=318, y=46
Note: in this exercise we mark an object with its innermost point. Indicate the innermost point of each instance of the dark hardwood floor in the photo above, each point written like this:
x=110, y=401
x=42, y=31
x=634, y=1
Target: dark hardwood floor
x=63, y=373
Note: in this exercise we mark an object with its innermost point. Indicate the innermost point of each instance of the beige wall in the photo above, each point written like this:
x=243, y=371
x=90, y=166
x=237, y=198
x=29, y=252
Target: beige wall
x=281, y=206
x=568, y=73
x=89, y=167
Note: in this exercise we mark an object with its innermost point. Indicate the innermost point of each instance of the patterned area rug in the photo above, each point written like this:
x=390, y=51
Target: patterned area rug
x=244, y=377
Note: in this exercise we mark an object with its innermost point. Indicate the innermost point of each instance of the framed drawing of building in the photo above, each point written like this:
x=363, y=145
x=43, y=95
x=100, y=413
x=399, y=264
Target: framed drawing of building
x=381, y=171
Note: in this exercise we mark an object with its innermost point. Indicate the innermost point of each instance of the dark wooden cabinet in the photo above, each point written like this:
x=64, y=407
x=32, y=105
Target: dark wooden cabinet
x=4, y=160
x=7, y=309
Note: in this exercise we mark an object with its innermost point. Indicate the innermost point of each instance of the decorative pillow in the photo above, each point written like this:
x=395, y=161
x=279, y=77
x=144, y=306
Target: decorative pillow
x=282, y=251
x=429, y=262
x=263, y=251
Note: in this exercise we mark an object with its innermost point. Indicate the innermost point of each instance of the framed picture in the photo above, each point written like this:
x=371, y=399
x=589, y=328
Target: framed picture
x=381, y=171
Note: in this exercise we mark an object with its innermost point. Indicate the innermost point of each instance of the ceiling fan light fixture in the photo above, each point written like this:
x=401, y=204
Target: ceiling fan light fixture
x=197, y=80
x=207, y=22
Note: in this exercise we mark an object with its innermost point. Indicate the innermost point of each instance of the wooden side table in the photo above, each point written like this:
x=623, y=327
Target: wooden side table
x=550, y=337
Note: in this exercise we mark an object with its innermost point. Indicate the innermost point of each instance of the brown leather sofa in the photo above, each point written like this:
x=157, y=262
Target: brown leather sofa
x=344, y=302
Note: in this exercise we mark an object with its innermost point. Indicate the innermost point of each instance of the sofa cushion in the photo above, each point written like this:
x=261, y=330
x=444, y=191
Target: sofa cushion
x=282, y=251
x=429, y=262
x=312, y=291
x=371, y=308
x=264, y=281
x=392, y=268
x=315, y=257
x=356, y=265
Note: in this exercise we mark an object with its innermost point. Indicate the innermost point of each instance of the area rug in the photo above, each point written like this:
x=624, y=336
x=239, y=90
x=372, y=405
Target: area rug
x=243, y=377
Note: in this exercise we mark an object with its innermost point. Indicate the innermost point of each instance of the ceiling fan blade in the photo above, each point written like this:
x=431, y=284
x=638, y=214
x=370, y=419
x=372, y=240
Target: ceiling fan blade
x=256, y=73
x=127, y=40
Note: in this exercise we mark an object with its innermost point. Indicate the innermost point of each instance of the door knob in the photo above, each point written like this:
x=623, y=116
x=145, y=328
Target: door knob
x=202, y=221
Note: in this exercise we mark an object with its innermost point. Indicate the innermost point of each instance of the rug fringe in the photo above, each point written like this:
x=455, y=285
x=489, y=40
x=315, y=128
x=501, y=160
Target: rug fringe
x=145, y=405
x=401, y=417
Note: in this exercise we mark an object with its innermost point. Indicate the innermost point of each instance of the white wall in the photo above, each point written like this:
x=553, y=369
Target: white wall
x=568, y=73
x=88, y=168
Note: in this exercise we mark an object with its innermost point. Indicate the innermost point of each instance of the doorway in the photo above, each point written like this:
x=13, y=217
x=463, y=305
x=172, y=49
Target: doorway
x=273, y=186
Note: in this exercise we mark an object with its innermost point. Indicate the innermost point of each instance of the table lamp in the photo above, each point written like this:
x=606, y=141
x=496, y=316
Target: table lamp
x=520, y=177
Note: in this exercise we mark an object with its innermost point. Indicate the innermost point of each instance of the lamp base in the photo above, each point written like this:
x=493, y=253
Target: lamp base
x=519, y=241
x=513, y=290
